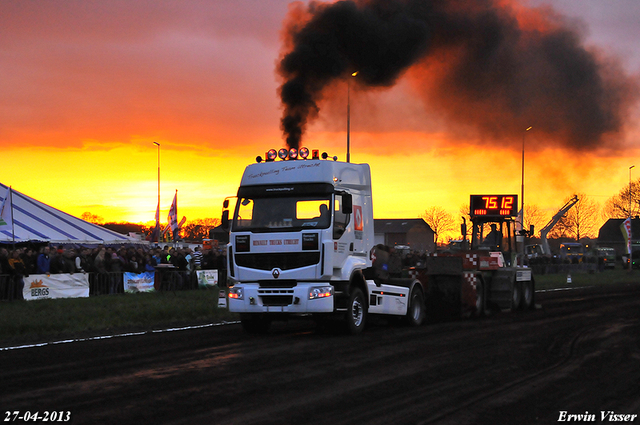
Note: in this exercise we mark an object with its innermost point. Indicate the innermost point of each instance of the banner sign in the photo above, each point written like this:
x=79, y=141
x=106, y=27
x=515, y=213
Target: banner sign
x=626, y=233
x=138, y=282
x=207, y=278
x=42, y=286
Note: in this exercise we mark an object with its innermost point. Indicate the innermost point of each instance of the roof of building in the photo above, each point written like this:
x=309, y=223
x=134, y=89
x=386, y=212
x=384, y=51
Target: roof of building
x=398, y=225
x=610, y=231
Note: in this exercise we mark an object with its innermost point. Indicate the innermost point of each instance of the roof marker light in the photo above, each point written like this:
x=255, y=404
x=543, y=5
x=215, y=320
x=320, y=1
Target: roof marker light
x=315, y=154
x=258, y=159
x=283, y=153
x=293, y=153
x=304, y=153
x=271, y=155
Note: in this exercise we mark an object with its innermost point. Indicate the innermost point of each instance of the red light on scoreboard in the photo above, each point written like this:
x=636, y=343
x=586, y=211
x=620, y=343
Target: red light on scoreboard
x=494, y=205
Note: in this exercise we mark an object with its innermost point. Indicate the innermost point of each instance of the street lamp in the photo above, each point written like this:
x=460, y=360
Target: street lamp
x=158, y=208
x=630, y=226
x=349, y=116
x=522, y=190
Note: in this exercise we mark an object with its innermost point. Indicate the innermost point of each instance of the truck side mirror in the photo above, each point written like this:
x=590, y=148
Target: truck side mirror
x=225, y=218
x=463, y=229
x=225, y=204
x=347, y=203
x=531, y=230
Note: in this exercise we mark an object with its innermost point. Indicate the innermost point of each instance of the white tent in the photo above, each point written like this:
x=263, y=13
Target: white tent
x=34, y=221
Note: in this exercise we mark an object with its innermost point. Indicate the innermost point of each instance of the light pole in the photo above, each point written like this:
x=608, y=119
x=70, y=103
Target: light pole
x=349, y=116
x=158, y=208
x=522, y=192
x=630, y=225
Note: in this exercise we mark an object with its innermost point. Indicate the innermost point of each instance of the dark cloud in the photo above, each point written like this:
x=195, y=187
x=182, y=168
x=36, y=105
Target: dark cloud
x=490, y=65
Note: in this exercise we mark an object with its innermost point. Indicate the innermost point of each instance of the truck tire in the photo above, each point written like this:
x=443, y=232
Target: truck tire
x=516, y=296
x=416, y=309
x=527, y=295
x=255, y=323
x=356, y=312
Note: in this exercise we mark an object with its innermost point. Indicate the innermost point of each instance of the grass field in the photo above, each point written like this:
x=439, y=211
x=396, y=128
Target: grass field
x=106, y=314
x=552, y=281
x=46, y=320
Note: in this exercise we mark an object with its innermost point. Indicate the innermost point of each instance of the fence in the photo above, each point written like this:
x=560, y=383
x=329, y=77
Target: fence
x=11, y=287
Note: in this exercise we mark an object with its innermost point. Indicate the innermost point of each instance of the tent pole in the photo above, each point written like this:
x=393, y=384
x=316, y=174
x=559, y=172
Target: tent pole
x=13, y=232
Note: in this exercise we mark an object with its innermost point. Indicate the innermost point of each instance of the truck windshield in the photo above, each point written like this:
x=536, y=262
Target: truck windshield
x=270, y=214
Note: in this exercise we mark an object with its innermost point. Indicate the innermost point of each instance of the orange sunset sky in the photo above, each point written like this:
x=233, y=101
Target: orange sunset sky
x=88, y=86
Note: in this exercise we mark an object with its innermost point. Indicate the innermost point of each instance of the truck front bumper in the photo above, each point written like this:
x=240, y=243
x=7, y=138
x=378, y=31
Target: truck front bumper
x=301, y=299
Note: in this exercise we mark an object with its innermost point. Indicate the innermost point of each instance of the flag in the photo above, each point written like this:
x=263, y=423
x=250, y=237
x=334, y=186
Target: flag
x=519, y=225
x=173, y=214
x=626, y=232
x=6, y=210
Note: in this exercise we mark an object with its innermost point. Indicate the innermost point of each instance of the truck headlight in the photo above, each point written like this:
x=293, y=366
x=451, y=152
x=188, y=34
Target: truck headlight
x=320, y=292
x=236, y=293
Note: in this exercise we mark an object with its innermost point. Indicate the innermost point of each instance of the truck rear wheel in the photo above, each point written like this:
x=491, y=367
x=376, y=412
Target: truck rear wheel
x=356, y=312
x=416, y=310
x=255, y=323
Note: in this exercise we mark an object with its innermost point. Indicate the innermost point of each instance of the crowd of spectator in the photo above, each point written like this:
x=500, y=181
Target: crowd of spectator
x=105, y=261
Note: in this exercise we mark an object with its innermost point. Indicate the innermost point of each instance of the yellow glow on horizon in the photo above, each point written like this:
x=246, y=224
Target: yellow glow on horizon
x=119, y=183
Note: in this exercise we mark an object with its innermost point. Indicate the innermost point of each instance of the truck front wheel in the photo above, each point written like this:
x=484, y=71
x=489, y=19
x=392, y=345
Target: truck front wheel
x=356, y=312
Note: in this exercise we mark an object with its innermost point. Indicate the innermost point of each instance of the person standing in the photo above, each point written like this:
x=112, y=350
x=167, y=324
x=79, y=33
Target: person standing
x=29, y=261
x=197, y=258
x=43, y=261
x=18, y=271
x=6, y=285
x=99, y=264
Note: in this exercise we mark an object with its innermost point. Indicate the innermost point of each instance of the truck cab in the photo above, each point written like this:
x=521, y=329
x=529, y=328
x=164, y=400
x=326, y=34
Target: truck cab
x=300, y=238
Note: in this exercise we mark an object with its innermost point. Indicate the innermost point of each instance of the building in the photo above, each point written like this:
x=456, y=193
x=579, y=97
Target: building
x=610, y=235
x=414, y=232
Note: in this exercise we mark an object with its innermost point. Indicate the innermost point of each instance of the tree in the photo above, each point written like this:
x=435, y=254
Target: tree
x=125, y=228
x=625, y=204
x=580, y=221
x=199, y=229
x=533, y=215
x=439, y=220
x=92, y=218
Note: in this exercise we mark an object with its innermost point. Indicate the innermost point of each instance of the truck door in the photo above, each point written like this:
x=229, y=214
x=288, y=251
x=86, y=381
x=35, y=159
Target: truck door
x=342, y=232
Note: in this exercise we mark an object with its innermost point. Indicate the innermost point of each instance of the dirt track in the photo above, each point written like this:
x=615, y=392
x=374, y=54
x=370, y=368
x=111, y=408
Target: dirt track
x=580, y=352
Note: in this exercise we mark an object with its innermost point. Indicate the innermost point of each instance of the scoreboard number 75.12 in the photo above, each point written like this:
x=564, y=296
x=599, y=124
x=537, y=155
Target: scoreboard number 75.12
x=494, y=206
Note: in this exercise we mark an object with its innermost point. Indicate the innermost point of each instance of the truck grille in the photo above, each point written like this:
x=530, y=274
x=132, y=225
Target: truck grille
x=280, y=260
x=276, y=297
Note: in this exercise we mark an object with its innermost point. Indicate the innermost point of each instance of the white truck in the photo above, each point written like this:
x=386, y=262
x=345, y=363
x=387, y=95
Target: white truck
x=301, y=242
x=301, y=239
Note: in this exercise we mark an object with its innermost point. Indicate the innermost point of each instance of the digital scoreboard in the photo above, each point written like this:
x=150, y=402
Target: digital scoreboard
x=494, y=206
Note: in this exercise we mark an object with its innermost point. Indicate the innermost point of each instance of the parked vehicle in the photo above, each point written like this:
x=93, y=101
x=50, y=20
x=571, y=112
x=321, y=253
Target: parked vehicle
x=607, y=256
x=572, y=251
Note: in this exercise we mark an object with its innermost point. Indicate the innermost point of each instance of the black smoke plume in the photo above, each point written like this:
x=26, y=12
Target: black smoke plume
x=490, y=64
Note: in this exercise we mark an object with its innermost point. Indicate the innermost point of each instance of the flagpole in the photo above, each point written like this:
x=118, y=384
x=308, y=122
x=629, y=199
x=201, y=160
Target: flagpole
x=158, y=207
